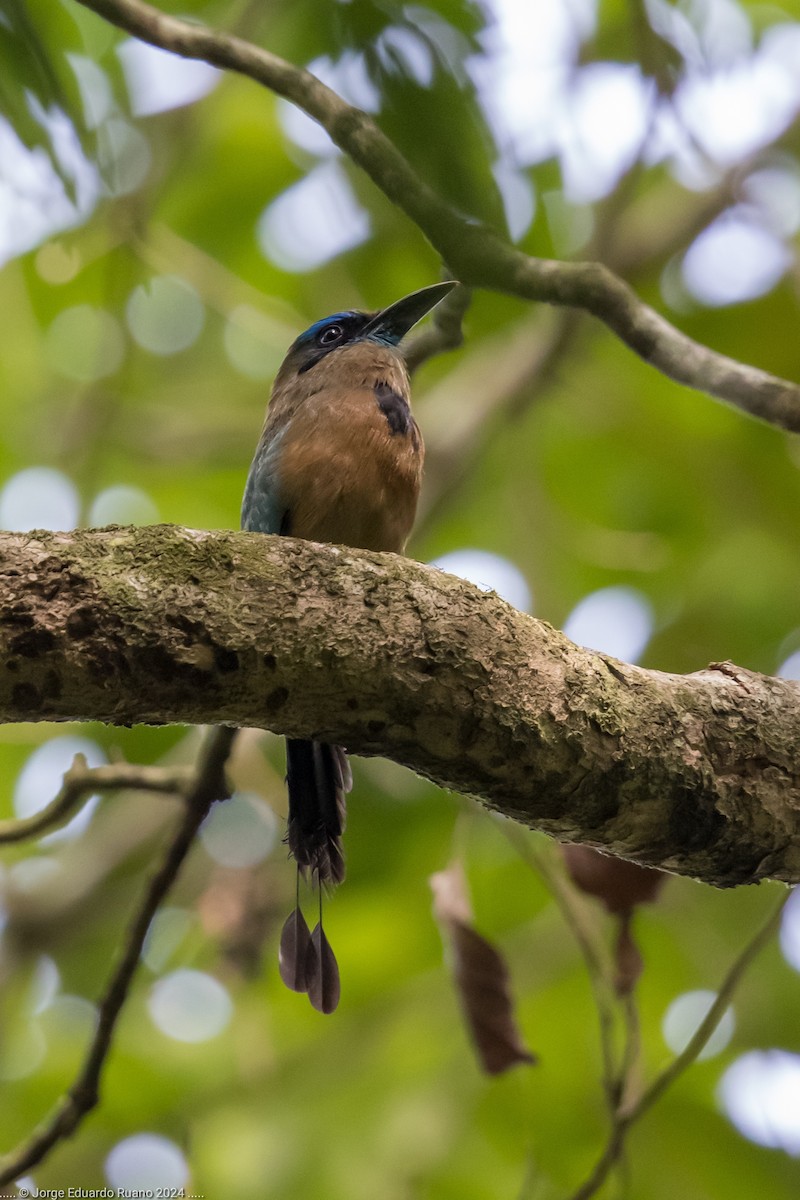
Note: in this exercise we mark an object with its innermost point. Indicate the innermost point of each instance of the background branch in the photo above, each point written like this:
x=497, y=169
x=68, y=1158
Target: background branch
x=208, y=785
x=492, y=382
x=80, y=782
x=599, y=968
x=633, y=1111
x=478, y=256
x=443, y=332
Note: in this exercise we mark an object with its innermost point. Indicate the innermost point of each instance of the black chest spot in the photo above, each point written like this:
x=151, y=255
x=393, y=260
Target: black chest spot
x=395, y=409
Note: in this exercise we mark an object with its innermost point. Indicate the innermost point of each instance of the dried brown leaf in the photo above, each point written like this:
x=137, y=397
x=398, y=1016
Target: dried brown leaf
x=481, y=978
x=619, y=884
x=483, y=984
x=450, y=898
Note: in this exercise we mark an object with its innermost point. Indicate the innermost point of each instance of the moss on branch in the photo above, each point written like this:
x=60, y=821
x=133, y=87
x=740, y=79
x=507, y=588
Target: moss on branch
x=698, y=774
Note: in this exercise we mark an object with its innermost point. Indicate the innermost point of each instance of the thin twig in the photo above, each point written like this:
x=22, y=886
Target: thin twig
x=628, y=1115
x=631, y=1049
x=80, y=782
x=443, y=332
x=598, y=965
x=209, y=785
x=714, y=1015
x=500, y=379
x=496, y=380
x=478, y=255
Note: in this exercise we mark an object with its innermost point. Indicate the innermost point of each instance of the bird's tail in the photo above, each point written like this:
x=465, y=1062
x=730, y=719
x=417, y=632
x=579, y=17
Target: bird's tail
x=318, y=778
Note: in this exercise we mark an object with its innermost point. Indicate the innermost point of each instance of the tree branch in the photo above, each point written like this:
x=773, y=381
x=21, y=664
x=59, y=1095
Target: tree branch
x=697, y=774
x=496, y=379
x=208, y=785
x=77, y=786
x=442, y=332
x=629, y=1114
x=478, y=256
x=574, y=910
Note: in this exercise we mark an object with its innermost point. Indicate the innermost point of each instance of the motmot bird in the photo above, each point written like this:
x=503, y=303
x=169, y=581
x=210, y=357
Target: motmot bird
x=339, y=460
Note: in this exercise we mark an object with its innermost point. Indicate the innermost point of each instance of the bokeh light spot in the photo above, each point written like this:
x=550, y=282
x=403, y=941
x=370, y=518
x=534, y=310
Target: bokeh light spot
x=313, y=221
x=523, y=78
x=775, y=192
x=790, y=667
x=124, y=155
x=39, y=498
x=69, y=1019
x=41, y=777
x=34, y=203
x=518, y=196
x=790, y=920
x=604, y=125
x=349, y=78
x=167, y=932
x=148, y=1162
x=241, y=831
x=94, y=85
x=166, y=315
x=44, y=985
x=734, y=259
x=403, y=52
x=85, y=344
x=491, y=572
x=158, y=81
x=615, y=620
x=189, y=1006
x=251, y=343
x=760, y=1093
x=122, y=505
x=733, y=111
x=24, y=1048
x=57, y=263
x=683, y=1017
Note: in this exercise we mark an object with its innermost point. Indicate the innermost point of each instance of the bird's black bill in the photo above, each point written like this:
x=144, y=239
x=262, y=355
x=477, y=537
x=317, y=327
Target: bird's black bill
x=393, y=323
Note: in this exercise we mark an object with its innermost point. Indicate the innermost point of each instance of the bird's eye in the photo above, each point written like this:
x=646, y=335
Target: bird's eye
x=330, y=335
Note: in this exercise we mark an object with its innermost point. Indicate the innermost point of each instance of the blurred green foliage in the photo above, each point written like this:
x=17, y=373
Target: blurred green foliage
x=35, y=76
x=600, y=472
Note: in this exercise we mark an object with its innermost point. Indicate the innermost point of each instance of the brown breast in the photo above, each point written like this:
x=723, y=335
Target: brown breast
x=351, y=468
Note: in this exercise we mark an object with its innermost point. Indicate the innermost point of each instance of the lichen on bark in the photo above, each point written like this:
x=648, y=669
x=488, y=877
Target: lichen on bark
x=698, y=774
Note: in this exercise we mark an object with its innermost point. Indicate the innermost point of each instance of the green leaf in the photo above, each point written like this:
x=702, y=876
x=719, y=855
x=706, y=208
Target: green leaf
x=34, y=71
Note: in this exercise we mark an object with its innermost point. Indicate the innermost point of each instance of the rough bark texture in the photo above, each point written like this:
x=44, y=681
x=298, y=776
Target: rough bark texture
x=699, y=774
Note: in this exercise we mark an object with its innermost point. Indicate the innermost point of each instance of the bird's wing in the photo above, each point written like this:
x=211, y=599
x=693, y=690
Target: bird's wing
x=263, y=507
